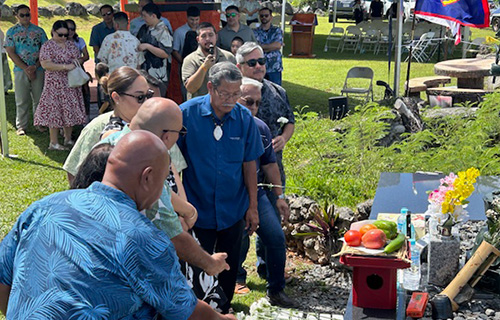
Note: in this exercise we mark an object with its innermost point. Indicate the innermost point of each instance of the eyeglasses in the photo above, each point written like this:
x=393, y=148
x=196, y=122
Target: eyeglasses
x=264, y=15
x=65, y=35
x=231, y=15
x=250, y=102
x=227, y=96
x=181, y=132
x=253, y=62
x=107, y=14
x=71, y=29
x=142, y=97
x=22, y=15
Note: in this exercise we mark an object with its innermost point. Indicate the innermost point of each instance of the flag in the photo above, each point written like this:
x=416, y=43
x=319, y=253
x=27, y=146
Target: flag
x=453, y=13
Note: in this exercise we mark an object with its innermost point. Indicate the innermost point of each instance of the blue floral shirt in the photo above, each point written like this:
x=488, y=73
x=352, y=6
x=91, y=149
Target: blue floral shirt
x=274, y=61
x=89, y=254
x=26, y=41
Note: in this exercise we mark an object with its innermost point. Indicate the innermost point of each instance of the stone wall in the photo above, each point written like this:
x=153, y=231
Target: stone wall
x=302, y=211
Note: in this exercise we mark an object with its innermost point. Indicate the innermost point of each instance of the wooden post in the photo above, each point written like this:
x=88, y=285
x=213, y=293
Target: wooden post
x=34, y=11
x=480, y=260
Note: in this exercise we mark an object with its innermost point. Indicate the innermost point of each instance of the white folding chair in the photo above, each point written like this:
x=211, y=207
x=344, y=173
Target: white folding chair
x=351, y=39
x=334, y=39
x=370, y=41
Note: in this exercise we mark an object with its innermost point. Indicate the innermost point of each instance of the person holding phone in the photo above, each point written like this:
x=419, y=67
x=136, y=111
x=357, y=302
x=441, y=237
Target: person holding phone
x=196, y=65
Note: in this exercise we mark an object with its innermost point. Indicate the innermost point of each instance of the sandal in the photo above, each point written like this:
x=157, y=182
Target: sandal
x=56, y=147
x=241, y=289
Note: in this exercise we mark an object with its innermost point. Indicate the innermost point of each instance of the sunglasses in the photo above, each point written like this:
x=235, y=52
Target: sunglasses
x=231, y=15
x=181, y=132
x=264, y=15
x=71, y=29
x=22, y=15
x=250, y=102
x=142, y=97
x=107, y=14
x=253, y=62
x=63, y=35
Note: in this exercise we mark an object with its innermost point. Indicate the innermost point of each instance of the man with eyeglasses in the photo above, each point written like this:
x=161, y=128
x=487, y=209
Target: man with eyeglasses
x=233, y=29
x=196, y=65
x=101, y=30
x=22, y=43
x=220, y=148
x=270, y=232
x=270, y=38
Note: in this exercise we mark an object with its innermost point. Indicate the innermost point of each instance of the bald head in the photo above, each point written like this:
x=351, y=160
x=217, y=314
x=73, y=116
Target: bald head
x=157, y=115
x=138, y=165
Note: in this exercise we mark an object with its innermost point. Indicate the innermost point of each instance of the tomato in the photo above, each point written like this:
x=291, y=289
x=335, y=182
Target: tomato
x=353, y=238
x=365, y=228
x=374, y=239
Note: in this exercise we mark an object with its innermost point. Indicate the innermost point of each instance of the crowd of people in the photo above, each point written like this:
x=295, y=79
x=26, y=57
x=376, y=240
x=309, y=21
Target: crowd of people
x=163, y=197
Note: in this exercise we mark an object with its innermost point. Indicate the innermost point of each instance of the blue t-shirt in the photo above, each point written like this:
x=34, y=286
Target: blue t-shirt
x=99, y=32
x=214, y=180
x=90, y=252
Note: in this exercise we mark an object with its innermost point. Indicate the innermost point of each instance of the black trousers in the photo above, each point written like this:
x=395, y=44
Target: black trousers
x=228, y=241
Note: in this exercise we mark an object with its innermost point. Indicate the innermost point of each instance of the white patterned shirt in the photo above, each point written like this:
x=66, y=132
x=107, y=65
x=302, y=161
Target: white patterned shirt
x=120, y=49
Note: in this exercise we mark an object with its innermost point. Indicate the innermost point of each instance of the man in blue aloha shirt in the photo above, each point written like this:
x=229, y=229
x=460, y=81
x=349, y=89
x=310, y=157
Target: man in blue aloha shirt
x=270, y=39
x=22, y=43
x=90, y=253
x=221, y=147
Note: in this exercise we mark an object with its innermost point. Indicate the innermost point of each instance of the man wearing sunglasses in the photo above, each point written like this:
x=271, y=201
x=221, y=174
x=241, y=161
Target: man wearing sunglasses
x=270, y=38
x=196, y=64
x=101, y=30
x=22, y=43
x=270, y=232
x=233, y=29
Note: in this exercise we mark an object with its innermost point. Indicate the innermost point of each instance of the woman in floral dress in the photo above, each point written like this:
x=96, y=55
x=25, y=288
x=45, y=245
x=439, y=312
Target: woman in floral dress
x=60, y=106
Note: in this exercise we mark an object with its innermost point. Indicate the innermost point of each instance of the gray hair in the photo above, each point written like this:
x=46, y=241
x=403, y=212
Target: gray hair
x=246, y=49
x=250, y=82
x=224, y=71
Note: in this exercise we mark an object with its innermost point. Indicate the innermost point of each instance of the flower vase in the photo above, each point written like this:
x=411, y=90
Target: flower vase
x=443, y=256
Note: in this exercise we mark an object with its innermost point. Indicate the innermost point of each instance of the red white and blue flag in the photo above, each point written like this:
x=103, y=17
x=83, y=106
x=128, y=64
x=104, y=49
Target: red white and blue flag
x=453, y=13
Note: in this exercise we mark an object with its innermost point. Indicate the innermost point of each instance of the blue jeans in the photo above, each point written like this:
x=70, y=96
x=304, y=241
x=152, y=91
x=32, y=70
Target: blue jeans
x=274, y=77
x=273, y=238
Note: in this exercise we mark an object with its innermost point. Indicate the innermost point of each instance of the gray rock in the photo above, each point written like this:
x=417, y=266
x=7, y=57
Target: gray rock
x=93, y=9
x=363, y=210
x=346, y=217
x=44, y=12
x=57, y=10
x=6, y=11
x=76, y=9
x=497, y=315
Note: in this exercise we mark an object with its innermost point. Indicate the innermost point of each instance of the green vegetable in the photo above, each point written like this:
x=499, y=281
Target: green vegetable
x=390, y=228
x=395, y=244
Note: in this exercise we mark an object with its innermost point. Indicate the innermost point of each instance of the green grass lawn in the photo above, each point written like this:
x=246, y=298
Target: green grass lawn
x=35, y=172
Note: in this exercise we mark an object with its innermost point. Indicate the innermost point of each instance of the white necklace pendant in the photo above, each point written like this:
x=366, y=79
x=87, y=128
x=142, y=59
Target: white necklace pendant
x=218, y=133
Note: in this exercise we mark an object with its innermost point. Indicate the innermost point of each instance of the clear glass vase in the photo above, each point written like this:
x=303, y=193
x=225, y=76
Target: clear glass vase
x=443, y=255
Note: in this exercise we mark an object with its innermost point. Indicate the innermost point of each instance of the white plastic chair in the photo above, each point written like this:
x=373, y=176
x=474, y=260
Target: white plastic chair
x=357, y=76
